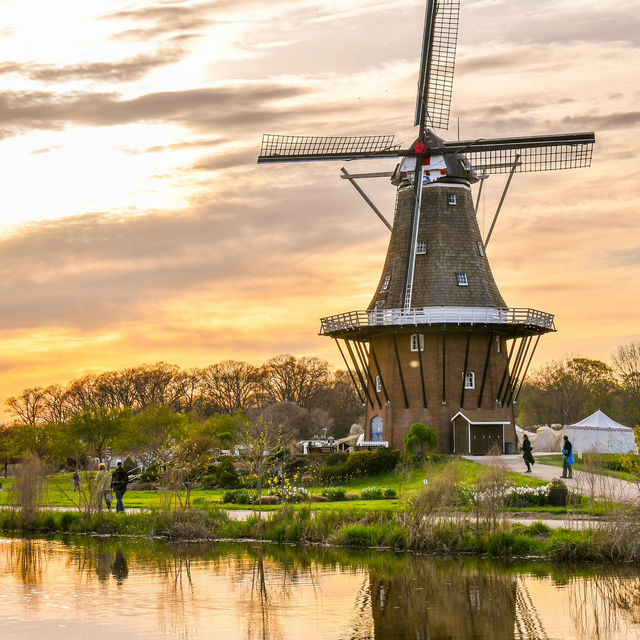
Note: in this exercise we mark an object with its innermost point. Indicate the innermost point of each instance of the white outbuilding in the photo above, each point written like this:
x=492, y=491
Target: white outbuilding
x=600, y=434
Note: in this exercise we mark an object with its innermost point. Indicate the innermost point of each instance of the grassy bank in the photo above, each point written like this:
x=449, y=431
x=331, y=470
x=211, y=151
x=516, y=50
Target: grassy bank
x=612, y=541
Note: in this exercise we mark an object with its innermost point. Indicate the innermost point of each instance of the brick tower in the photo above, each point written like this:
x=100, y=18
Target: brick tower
x=438, y=344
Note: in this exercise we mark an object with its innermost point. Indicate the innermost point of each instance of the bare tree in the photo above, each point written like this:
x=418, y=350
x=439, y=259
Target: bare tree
x=626, y=362
x=291, y=379
x=230, y=385
x=29, y=407
x=258, y=441
x=566, y=391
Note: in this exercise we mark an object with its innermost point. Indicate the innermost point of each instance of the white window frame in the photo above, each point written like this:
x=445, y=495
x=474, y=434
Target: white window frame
x=378, y=384
x=386, y=283
x=452, y=199
x=461, y=277
x=417, y=339
x=469, y=380
x=421, y=248
x=481, y=249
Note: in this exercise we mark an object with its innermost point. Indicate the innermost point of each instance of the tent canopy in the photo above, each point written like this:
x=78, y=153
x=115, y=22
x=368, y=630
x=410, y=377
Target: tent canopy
x=598, y=433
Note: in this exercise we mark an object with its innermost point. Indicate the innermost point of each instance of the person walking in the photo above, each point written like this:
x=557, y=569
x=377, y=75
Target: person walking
x=76, y=481
x=103, y=486
x=567, y=458
x=527, y=454
x=119, y=481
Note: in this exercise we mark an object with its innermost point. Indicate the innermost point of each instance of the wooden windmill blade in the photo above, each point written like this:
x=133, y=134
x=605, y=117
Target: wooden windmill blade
x=281, y=148
x=437, y=64
x=526, y=154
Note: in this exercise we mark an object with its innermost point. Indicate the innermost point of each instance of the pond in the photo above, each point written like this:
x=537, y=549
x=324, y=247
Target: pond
x=102, y=588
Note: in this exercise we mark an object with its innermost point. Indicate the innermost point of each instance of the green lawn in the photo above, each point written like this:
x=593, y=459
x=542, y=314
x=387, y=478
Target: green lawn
x=60, y=490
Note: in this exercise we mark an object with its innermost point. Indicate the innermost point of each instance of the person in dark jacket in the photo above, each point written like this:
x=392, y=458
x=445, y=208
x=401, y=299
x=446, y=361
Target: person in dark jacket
x=119, y=481
x=567, y=458
x=527, y=456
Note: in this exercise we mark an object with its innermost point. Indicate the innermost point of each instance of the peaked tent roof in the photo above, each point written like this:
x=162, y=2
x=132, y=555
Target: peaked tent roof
x=599, y=420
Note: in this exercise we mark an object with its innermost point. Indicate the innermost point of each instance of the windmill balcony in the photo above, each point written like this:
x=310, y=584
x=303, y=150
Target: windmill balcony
x=354, y=320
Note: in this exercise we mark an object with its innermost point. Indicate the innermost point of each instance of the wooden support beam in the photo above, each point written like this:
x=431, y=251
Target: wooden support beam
x=424, y=391
x=516, y=378
x=404, y=388
x=464, y=372
x=375, y=359
x=365, y=365
x=366, y=198
x=524, y=376
x=346, y=364
x=355, y=365
x=506, y=370
x=516, y=362
x=504, y=195
x=492, y=337
x=444, y=368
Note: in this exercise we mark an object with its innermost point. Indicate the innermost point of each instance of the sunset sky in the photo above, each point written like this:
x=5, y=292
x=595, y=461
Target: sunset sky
x=136, y=226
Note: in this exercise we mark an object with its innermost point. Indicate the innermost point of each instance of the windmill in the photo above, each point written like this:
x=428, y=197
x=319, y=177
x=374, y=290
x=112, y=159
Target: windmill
x=438, y=344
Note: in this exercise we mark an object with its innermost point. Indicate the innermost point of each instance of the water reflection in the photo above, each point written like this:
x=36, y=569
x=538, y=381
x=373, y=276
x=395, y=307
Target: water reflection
x=81, y=588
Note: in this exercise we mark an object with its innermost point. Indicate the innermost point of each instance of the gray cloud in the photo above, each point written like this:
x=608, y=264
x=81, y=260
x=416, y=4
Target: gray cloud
x=197, y=108
x=622, y=257
x=96, y=270
x=169, y=19
x=116, y=71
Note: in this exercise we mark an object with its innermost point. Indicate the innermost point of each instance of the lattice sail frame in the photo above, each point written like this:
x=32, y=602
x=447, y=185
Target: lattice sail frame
x=540, y=153
x=437, y=67
x=281, y=148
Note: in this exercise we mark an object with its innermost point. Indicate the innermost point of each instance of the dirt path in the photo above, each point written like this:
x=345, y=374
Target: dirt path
x=585, y=483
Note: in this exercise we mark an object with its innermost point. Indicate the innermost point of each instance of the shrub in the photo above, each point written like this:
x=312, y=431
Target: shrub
x=66, y=520
x=316, y=498
x=390, y=493
x=353, y=495
x=334, y=459
x=361, y=463
x=239, y=496
x=334, y=494
x=372, y=493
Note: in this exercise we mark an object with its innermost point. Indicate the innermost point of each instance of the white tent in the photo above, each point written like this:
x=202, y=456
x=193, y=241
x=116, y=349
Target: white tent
x=547, y=439
x=600, y=434
x=520, y=433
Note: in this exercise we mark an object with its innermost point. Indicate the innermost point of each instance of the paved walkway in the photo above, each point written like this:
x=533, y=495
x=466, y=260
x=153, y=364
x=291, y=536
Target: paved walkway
x=585, y=483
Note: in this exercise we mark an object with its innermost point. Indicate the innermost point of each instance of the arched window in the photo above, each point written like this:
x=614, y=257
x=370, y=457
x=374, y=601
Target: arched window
x=376, y=429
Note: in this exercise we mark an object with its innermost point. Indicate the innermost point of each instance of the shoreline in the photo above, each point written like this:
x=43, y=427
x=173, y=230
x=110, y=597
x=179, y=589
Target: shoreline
x=445, y=535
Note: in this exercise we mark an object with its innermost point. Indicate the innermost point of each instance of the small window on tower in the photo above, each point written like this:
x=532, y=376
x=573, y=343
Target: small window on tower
x=378, y=384
x=386, y=283
x=462, y=279
x=452, y=198
x=421, y=248
x=417, y=342
x=498, y=344
x=469, y=380
x=481, y=249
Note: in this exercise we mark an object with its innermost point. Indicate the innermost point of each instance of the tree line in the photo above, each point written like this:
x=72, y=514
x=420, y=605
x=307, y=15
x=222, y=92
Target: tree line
x=303, y=394
x=566, y=391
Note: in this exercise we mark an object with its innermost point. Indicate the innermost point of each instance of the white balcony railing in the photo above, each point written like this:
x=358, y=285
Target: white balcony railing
x=437, y=315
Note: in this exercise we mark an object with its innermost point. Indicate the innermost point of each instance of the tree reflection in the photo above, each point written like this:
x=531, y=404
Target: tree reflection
x=603, y=605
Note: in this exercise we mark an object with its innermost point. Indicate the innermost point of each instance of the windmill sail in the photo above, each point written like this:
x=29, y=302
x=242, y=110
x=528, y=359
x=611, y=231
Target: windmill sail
x=279, y=148
x=529, y=153
x=437, y=63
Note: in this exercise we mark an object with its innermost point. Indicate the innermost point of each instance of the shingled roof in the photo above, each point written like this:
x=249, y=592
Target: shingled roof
x=453, y=245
